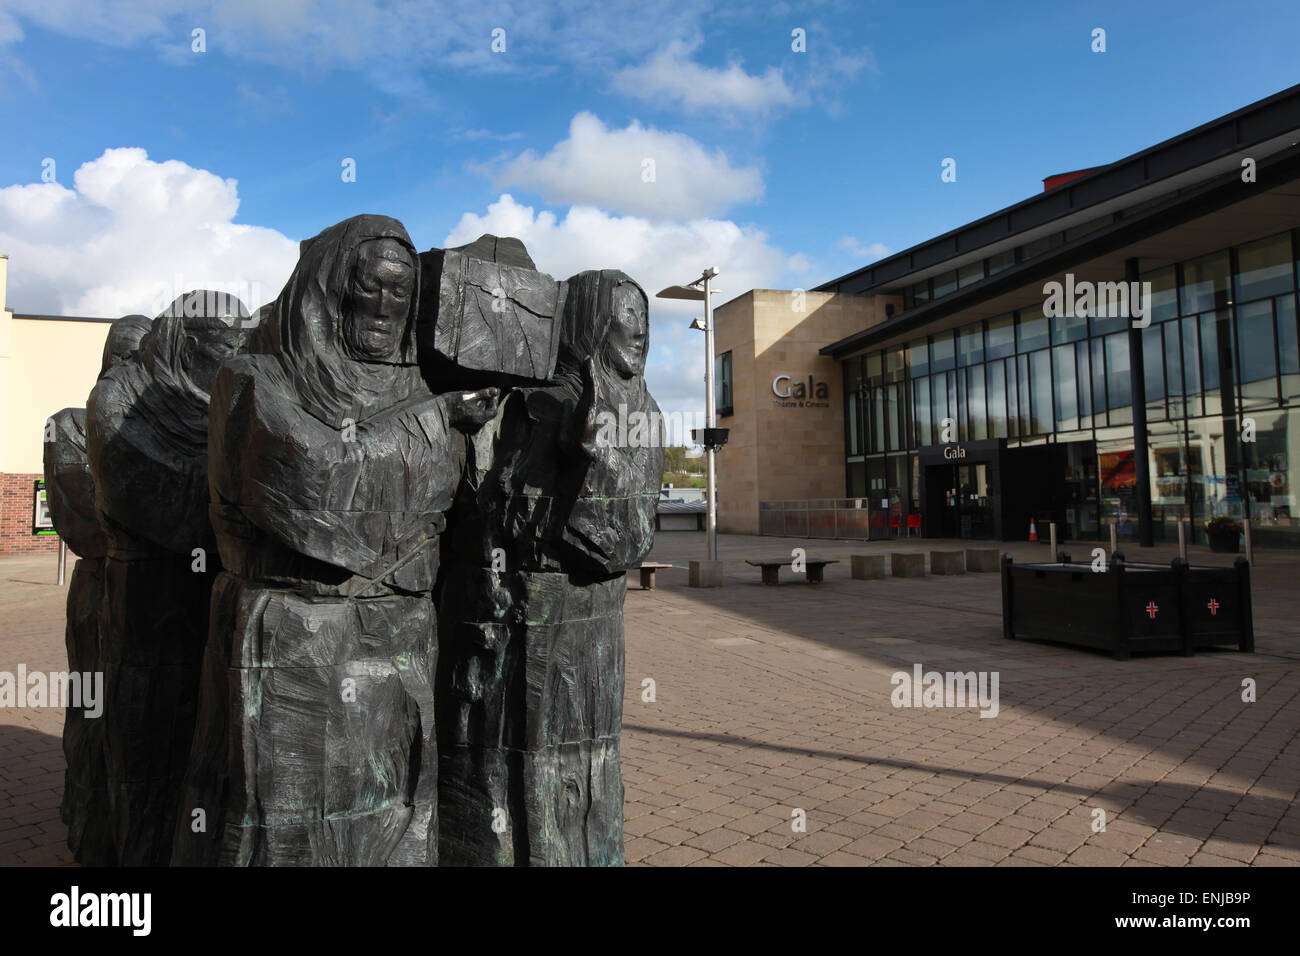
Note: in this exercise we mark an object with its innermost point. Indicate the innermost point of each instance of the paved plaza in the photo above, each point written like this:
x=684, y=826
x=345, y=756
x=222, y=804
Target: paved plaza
x=771, y=739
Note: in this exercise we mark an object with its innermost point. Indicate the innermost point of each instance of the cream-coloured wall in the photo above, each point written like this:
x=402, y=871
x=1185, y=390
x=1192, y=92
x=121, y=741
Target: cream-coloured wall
x=6, y=350
x=779, y=448
x=45, y=365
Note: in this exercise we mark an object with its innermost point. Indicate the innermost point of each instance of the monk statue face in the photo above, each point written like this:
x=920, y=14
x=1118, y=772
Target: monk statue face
x=379, y=300
x=629, y=332
x=208, y=343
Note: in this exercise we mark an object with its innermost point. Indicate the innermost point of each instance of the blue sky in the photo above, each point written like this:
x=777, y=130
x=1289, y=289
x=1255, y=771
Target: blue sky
x=784, y=169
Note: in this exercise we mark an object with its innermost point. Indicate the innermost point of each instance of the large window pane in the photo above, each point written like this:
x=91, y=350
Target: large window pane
x=1013, y=396
x=1205, y=283
x=1085, y=384
x=1067, y=396
x=894, y=437
x=1257, y=354
x=978, y=422
x=970, y=344
x=873, y=376
x=1002, y=337
x=939, y=405
x=1022, y=387
x=877, y=419
x=722, y=404
x=1099, y=382
x=1288, y=352
x=894, y=362
x=852, y=374
x=921, y=411
x=918, y=358
x=1031, y=329
x=1153, y=371
x=942, y=353
x=950, y=380
x=962, y=405
x=997, y=400
x=854, y=402
x=1192, y=366
x=1069, y=328
x=1210, y=346
x=1040, y=369
x=1164, y=293
x=1118, y=381
x=1173, y=368
x=1272, y=464
x=1263, y=268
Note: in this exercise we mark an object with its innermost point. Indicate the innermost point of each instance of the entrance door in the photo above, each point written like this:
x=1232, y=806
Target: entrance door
x=959, y=496
x=976, y=517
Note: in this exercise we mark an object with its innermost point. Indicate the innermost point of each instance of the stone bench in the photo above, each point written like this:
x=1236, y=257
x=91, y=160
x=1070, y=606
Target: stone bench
x=648, y=569
x=867, y=567
x=983, y=559
x=772, y=567
x=907, y=564
x=947, y=562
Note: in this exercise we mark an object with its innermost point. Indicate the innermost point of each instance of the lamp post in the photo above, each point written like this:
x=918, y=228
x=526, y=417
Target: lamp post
x=701, y=290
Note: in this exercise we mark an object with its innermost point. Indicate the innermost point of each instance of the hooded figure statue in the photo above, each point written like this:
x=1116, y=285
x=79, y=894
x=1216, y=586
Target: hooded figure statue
x=554, y=508
x=70, y=491
x=332, y=466
x=146, y=439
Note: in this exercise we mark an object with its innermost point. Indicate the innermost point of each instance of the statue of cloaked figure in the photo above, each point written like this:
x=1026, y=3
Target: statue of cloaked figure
x=70, y=491
x=332, y=466
x=556, y=505
x=146, y=438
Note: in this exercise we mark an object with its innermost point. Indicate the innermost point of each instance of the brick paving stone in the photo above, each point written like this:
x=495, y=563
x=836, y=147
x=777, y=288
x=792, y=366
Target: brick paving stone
x=675, y=856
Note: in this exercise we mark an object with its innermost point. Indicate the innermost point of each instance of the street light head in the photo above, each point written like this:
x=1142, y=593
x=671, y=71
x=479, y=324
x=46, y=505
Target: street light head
x=680, y=292
x=710, y=272
x=698, y=324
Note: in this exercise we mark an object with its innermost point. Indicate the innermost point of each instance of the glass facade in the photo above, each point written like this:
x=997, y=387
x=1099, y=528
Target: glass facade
x=1221, y=369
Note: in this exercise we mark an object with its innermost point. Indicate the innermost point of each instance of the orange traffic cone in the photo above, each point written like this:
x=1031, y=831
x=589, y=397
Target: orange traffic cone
x=1033, y=530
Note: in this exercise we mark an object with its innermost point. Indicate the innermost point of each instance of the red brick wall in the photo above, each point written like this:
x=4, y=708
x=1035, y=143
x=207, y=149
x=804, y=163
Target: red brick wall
x=16, y=517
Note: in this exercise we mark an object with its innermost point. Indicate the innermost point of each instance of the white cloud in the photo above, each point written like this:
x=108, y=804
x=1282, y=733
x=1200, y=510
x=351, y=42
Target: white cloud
x=867, y=253
x=396, y=45
x=608, y=168
x=669, y=78
x=656, y=254
x=129, y=235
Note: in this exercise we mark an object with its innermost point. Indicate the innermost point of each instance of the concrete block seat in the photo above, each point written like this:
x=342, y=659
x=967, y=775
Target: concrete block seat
x=983, y=559
x=867, y=567
x=907, y=564
x=947, y=562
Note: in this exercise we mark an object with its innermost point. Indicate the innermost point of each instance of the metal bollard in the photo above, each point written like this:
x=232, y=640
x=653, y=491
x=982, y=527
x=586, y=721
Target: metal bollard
x=63, y=560
x=1250, y=550
x=1182, y=538
x=1114, y=538
x=1051, y=530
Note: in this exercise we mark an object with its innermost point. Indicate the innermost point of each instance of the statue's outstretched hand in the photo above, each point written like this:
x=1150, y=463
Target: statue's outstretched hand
x=469, y=411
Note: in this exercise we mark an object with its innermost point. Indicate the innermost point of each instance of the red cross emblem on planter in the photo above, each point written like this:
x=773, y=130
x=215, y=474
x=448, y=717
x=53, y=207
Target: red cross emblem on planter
x=1152, y=607
x=1214, y=607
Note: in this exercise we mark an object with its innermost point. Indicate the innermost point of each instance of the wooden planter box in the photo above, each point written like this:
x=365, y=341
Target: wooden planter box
x=1128, y=607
